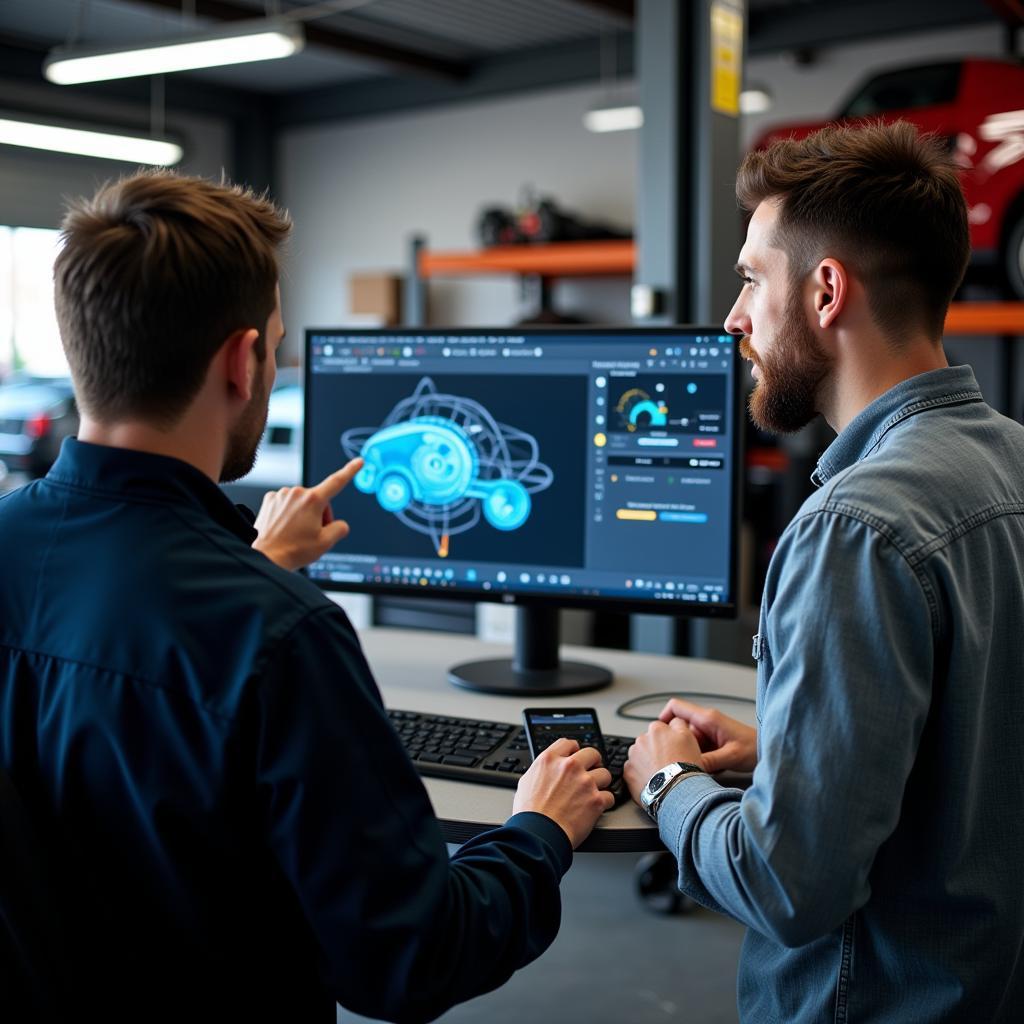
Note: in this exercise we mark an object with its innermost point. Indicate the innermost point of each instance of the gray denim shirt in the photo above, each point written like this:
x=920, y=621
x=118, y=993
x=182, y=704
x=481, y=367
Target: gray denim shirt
x=878, y=856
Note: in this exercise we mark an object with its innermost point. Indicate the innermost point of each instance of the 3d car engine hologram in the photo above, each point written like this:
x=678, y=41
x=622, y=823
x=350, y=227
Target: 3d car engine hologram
x=437, y=460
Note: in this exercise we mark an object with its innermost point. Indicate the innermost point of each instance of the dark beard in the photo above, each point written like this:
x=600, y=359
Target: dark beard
x=785, y=398
x=244, y=441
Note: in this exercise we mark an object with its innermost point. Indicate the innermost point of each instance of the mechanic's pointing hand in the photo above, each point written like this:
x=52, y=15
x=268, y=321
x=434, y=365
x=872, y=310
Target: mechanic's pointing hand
x=296, y=524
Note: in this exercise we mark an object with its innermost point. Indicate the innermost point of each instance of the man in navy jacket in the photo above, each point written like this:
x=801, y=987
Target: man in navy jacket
x=233, y=830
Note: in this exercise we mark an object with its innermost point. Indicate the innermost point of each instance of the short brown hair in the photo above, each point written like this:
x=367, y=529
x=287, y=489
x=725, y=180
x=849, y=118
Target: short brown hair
x=879, y=197
x=155, y=271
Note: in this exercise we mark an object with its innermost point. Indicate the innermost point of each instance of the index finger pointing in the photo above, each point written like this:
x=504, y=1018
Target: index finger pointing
x=338, y=480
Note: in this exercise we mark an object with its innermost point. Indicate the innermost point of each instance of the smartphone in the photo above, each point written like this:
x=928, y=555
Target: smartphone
x=545, y=725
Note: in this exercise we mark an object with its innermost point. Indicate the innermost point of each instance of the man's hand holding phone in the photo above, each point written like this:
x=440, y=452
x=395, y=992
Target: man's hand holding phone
x=569, y=785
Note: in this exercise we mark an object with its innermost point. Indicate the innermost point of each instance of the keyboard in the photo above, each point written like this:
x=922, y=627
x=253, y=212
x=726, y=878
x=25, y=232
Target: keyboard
x=477, y=750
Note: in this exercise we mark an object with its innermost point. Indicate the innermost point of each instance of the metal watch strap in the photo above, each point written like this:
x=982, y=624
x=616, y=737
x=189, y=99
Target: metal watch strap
x=676, y=772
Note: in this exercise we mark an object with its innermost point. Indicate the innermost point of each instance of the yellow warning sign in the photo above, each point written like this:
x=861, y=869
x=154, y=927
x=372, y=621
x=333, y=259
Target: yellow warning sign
x=726, y=57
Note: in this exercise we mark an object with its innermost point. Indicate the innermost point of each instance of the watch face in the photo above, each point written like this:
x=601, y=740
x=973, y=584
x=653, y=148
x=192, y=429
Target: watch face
x=656, y=782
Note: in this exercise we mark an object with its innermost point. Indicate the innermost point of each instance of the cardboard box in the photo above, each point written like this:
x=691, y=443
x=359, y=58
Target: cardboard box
x=378, y=295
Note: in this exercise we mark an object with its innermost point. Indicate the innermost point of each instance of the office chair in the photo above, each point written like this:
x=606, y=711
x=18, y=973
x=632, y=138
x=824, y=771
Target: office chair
x=34, y=963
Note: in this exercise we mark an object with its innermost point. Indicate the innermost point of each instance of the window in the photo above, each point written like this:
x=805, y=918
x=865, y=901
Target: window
x=905, y=90
x=29, y=339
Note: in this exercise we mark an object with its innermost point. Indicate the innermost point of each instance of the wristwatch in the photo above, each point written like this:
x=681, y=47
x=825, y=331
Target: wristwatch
x=662, y=781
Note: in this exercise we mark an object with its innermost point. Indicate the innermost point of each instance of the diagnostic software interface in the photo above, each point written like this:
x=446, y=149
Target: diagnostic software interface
x=581, y=465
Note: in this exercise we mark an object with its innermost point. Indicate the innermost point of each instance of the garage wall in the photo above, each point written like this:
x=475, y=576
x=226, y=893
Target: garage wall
x=357, y=190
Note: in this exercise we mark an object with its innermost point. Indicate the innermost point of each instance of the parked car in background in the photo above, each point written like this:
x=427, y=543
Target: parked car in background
x=36, y=414
x=279, y=460
x=978, y=107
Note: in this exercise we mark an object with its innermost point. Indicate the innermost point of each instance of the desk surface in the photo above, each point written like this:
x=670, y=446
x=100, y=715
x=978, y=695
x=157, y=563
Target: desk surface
x=411, y=666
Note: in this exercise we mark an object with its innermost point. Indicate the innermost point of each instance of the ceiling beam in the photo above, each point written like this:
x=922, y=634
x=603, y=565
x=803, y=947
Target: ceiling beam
x=1011, y=11
x=502, y=75
x=623, y=8
x=396, y=57
x=781, y=26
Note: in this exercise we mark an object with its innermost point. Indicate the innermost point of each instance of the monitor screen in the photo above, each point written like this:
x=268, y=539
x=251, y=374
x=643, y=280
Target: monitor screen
x=563, y=465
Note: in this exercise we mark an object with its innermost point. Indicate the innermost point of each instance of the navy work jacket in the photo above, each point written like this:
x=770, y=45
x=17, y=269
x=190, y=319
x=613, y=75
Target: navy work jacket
x=232, y=828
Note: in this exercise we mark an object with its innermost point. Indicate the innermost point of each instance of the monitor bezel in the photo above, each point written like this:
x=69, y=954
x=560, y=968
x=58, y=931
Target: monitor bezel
x=512, y=598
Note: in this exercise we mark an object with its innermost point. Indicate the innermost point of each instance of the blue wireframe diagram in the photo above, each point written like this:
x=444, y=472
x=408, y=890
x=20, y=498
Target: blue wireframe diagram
x=439, y=461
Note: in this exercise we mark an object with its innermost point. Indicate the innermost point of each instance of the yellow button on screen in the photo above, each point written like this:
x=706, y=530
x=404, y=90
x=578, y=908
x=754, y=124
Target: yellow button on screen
x=600, y=440
x=648, y=515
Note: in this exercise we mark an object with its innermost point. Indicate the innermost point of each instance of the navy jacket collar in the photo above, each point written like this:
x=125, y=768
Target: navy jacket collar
x=124, y=473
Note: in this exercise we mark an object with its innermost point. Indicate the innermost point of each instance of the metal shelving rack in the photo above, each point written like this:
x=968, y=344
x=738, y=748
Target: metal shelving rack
x=543, y=262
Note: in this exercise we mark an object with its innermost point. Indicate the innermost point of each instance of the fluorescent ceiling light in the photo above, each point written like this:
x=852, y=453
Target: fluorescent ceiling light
x=107, y=146
x=240, y=43
x=755, y=101
x=613, y=119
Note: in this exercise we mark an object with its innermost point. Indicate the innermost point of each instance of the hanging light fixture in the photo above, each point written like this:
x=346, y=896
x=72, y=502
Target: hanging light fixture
x=613, y=118
x=618, y=111
x=240, y=43
x=34, y=133
x=755, y=99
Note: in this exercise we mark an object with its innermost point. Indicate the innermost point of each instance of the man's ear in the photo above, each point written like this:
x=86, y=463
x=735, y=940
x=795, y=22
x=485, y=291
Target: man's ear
x=831, y=291
x=240, y=361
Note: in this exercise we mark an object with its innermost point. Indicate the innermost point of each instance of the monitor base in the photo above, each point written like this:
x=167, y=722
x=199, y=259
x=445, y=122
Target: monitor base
x=499, y=675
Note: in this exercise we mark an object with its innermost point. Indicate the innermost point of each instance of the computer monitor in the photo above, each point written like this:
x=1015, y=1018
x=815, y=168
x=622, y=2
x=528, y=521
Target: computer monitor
x=545, y=468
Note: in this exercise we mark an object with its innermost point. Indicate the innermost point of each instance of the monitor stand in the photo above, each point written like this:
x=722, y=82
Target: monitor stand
x=534, y=669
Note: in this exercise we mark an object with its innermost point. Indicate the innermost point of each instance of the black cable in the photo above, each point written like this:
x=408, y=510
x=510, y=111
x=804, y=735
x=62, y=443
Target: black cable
x=623, y=709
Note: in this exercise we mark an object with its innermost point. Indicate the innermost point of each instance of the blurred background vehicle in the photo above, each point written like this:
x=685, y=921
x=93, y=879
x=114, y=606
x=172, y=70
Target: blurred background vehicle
x=279, y=460
x=539, y=219
x=977, y=106
x=36, y=414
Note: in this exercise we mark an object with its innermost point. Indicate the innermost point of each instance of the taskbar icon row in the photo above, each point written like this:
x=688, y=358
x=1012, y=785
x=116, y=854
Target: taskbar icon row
x=516, y=580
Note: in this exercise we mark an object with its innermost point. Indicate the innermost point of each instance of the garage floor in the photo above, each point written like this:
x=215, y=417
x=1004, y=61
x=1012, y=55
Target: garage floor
x=615, y=962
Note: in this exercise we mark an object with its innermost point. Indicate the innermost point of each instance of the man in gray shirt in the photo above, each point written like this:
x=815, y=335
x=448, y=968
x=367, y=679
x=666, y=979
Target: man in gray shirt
x=876, y=855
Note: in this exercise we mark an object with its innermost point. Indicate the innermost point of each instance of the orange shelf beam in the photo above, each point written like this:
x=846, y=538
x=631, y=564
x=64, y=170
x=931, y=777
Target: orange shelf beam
x=618, y=256
x=555, y=259
x=1001, y=318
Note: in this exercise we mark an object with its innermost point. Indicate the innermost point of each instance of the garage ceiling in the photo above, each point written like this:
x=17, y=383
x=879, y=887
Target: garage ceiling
x=440, y=41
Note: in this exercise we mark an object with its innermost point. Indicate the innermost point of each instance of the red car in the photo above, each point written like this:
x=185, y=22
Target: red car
x=978, y=105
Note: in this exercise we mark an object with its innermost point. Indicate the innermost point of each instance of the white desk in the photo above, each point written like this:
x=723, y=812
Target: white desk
x=411, y=669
